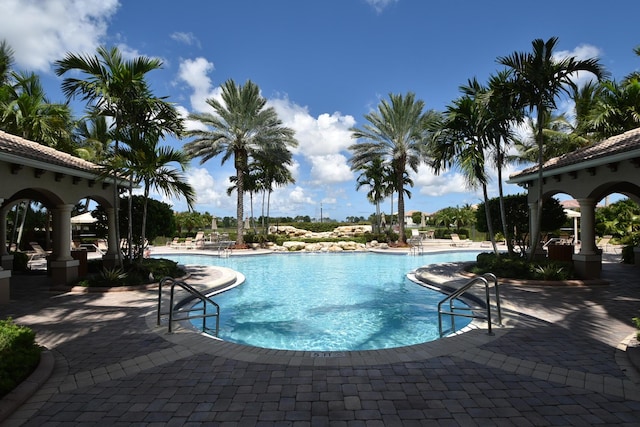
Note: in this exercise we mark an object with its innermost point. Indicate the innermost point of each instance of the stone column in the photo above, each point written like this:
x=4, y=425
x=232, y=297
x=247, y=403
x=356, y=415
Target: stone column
x=5, y=275
x=588, y=262
x=110, y=259
x=64, y=269
x=534, y=246
x=6, y=259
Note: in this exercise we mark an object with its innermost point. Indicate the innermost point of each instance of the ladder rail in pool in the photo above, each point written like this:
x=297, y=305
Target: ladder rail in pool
x=453, y=311
x=187, y=312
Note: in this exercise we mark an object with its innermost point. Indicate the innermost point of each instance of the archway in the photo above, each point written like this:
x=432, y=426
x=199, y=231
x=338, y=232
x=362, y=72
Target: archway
x=588, y=175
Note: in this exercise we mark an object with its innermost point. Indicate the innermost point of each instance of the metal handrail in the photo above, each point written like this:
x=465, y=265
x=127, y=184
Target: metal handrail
x=467, y=311
x=195, y=293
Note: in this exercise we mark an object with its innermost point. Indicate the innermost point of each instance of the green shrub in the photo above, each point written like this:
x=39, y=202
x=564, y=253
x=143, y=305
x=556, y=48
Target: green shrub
x=517, y=267
x=137, y=273
x=636, y=321
x=19, y=355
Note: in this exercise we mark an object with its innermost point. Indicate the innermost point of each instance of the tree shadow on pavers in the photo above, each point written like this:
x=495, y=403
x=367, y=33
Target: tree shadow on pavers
x=580, y=326
x=91, y=329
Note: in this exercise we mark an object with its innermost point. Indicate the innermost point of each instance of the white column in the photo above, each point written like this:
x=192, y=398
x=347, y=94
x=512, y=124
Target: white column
x=62, y=232
x=113, y=245
x=587, y=226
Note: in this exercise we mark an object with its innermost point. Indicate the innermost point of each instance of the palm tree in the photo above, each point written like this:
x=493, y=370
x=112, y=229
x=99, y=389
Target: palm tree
x=462, y=142
x=539, y=78
x=396, y=133
x=151, y=165
x=616, y=108
x=373, y=175
x=242, y=128
x=26, y=111
x=273, y=166
x=93, y=139
x=114, y=87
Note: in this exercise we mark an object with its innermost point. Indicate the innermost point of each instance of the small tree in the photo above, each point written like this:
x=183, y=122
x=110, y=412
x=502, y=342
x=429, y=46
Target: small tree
x=517, y=213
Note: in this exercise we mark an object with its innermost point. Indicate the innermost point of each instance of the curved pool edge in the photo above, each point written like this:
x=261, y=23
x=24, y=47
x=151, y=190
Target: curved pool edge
x=197, y=342
x=472, y=336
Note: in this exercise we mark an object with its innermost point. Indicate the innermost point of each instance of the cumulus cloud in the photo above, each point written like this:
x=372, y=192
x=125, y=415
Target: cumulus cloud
x=321, y=140
x=430, y=184
x=329, y=169
x=194, y=72
x=41, y=32
x=212, y=193
x=581, y=52
x=186, y=38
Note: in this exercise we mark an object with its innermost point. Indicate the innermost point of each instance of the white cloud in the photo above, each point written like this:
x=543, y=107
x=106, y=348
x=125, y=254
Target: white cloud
x=211, y=193
x=41, y=32
x=195, y=74
x=330, y=169
x=380, y=5
x=321, y=140
x=186, y=38
x=429, y=184
x=581, y=52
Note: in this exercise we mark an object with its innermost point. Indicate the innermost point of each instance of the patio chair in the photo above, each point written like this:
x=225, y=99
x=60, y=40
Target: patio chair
x=38, y=252
x=198, y=241
x=456, y=241
x=603, y=243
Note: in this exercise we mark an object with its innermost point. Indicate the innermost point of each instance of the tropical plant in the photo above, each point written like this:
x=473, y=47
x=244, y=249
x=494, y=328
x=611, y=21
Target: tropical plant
x=539, y=78
x=116, y=88
x=151, y=165
x=26, y=111
x=397, y=133
x=616, y=108
x=373, y=175
x=242, y=128
x=462, y=142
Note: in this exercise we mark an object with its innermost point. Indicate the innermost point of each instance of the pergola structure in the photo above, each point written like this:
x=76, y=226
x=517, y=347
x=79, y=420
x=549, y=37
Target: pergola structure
x=31, y=171
x=588, y=175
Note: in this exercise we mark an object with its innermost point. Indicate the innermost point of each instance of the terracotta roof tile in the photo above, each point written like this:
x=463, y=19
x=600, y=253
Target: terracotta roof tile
x=11, y=144
x=628, y=141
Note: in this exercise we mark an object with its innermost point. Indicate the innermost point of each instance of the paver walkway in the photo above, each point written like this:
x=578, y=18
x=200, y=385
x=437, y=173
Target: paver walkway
x=559, y=361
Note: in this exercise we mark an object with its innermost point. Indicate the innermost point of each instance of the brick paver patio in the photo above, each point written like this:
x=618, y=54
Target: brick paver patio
x=559, y=361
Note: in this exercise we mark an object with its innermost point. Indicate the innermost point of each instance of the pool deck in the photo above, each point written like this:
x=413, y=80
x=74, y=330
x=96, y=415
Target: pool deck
x=560, y=359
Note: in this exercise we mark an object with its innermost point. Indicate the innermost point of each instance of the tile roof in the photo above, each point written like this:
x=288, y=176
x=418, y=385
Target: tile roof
x=616, y=145
x=23, y=148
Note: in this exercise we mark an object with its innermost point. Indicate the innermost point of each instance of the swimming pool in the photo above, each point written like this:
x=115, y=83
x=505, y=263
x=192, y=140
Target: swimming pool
x=328, y=302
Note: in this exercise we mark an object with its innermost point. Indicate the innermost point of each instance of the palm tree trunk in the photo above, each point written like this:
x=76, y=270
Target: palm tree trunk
x=143, y=231
x=240, y=206
x=503, y=212
x=487, y=213
x=537, y=223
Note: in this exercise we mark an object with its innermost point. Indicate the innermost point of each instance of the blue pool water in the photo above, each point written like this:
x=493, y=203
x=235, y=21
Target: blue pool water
x=328, y=302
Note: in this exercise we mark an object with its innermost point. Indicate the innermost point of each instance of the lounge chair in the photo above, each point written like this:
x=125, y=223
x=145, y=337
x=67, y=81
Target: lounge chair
x=456, y=241
x=603, y=243
x=198, y=241
x=38, y=252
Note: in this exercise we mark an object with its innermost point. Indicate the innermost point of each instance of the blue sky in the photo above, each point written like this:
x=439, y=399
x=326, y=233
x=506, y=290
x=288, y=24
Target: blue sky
x=322, y=65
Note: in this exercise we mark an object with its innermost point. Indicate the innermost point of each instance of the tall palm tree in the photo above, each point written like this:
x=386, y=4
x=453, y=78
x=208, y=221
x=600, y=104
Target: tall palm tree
x=151, y=165
x=242, y=128
x=373, y=175
x=396, y=132
x=539, y=79
x=462, y=142
x=113, y=87
x=273, y=166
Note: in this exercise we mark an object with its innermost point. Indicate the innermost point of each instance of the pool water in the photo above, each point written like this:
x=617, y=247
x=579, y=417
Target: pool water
x=328, y=302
